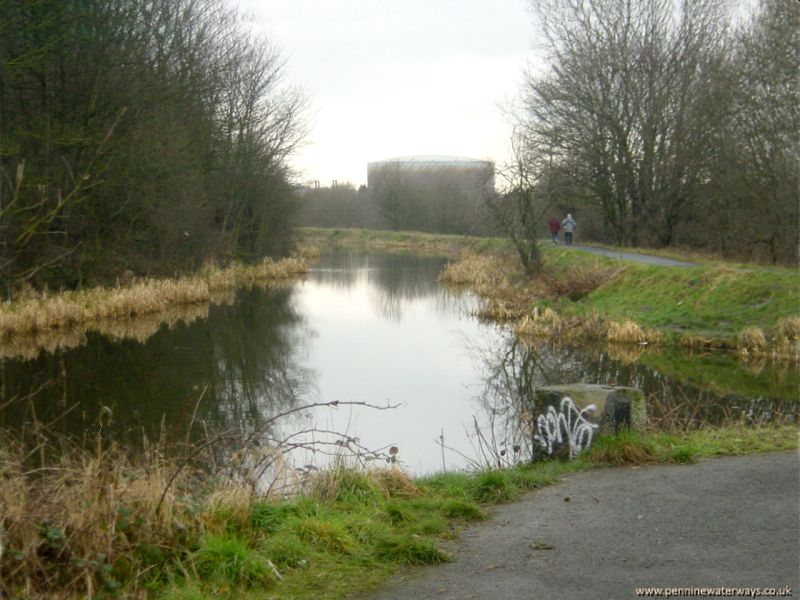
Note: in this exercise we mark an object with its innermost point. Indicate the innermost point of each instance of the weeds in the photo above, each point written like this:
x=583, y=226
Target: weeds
x=84, y=522
x=625, y=448
x=52, y=320
x=751, y=342
x=575, y=282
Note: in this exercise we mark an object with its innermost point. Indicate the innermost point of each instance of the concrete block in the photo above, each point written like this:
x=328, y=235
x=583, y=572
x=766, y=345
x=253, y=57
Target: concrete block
x=568, y=417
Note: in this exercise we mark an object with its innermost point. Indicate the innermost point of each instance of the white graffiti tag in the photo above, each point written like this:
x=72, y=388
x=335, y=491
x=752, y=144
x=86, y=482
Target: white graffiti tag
x=567, y=425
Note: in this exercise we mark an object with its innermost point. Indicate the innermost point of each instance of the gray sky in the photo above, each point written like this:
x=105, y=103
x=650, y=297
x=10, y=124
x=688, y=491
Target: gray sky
x=398, y=78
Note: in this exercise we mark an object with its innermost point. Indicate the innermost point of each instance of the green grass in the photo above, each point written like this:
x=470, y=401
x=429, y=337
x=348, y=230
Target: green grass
x=715, y=301
x=415, y=242
x=348, y=532
x=359, y=536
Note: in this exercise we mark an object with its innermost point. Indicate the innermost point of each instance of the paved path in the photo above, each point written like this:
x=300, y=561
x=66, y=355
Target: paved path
x=648, y=259
x=602, y=533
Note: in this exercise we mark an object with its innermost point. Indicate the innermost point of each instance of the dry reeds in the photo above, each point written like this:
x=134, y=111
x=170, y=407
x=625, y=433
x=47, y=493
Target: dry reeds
x=540, y=323
x=788, y=338
x=482, y=273
x=61, y=319
x=789, y=328
x=751, y=342
x=70, y=519
x=576, y=282
x=394, y=483
x=628, y=332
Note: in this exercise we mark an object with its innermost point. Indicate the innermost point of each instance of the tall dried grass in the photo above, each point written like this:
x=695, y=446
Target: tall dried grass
x=540, y=323
x=751, y=342
x=481, y=272
x=53, y=320
x=74, y=517
x=787, y=343
x=575, y=282
x=628, y=332
x=86, y=519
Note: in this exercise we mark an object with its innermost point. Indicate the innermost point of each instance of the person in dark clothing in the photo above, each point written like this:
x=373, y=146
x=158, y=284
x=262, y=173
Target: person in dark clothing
x=555, y=227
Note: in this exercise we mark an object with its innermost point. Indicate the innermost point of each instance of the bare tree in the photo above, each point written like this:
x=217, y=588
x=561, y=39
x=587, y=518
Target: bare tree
x=623, y=103
x=514, y=205
x=144, y=135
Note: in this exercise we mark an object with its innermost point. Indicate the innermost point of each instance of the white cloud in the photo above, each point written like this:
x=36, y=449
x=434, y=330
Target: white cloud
x=388, y=79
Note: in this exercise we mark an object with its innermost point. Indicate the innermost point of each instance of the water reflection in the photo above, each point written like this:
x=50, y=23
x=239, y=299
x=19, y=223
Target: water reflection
x=384, y=284
x=370, y=329
x=683, y=391
x=228, y=371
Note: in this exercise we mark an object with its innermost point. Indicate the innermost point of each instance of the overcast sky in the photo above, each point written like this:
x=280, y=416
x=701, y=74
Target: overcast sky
x=394, y=78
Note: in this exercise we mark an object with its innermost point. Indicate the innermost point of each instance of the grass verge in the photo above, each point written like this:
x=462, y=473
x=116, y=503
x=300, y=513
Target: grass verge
x=86, y=524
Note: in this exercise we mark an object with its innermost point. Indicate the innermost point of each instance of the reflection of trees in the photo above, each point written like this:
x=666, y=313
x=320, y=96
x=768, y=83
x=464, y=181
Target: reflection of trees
x=514, y=370
x=243, y=356
x=393, y=279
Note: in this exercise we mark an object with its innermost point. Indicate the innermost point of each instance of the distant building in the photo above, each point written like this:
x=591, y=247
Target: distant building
x=469, y=173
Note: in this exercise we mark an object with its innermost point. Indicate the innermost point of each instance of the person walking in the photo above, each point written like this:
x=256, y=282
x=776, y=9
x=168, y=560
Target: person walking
x=569, y=227
x=555, y=227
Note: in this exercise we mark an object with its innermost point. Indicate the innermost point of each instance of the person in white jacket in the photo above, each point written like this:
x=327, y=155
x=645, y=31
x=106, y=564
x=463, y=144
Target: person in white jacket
x=569, y=227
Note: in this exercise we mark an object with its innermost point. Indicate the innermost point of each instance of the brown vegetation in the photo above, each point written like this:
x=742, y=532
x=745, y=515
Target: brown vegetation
x=53, y=320
x=576, y=281
x=514, y=301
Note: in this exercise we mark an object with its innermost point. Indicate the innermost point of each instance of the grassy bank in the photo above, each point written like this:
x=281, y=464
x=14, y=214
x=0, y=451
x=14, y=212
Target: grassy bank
x=95, y=524
x=749, y=308
x=34, y=320
x=412, y=242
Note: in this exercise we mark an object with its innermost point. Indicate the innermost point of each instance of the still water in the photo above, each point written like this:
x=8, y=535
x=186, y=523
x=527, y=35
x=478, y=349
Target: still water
x=361, y=328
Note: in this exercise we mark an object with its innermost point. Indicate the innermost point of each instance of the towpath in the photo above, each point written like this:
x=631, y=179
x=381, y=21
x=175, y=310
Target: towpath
x=725, y=522
x=647, y=259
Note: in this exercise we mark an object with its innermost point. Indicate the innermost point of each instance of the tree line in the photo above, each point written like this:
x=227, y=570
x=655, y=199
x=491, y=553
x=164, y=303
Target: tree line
x=665, y=123
x=139, y=137
x=657, y=123
x=437, y=199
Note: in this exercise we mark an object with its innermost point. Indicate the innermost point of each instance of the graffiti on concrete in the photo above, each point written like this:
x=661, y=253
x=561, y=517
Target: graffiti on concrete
x=566, y=427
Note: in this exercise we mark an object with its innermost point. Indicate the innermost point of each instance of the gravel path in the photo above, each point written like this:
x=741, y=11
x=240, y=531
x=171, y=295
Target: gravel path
x=635, y=257
x=602, y=533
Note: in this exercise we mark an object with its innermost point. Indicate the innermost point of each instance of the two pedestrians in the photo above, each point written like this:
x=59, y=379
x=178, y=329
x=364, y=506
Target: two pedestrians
x=569, y=227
